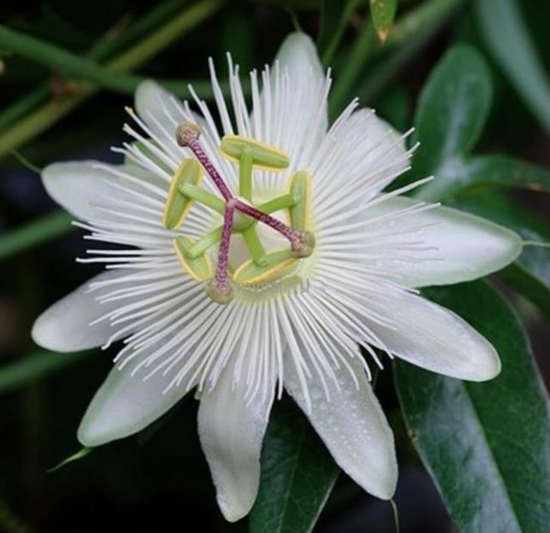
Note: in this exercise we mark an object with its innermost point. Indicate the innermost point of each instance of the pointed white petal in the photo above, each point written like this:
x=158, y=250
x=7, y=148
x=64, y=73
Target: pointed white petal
x=353, y=427
x=65, y=326
x=465, y=247
x=436, y=339
x=79, y=186
x=126, y=404
x=154, y=102
x=231, y=434
x=298, y=110
x=299, y=55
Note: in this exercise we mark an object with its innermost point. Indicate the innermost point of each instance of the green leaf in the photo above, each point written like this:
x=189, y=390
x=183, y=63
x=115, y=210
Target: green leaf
x=487, y=445
x=461, y=174
x=508, y=39
x=298, y=474
x=452, y=110
x=383, y=14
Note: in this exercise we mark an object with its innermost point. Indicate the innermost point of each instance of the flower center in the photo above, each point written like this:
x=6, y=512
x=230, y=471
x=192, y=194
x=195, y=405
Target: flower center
x=240, y=215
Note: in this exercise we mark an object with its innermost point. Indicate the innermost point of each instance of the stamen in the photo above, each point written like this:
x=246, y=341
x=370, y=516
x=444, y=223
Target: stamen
x=301, y=242
x=187, y=135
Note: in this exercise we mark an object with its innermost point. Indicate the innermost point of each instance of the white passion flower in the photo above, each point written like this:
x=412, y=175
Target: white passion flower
x=260, y=257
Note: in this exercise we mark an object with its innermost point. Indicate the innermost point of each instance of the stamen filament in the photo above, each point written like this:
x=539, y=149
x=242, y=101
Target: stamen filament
x=276, y=204
x=205, y=242
x=203, y=197
x=255, y=246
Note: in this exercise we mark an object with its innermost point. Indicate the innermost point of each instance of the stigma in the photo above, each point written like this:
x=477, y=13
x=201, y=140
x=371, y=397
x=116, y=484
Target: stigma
x=241, y=215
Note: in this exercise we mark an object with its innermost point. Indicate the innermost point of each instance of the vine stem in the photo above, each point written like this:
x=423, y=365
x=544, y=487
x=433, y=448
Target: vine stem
x=133, y=58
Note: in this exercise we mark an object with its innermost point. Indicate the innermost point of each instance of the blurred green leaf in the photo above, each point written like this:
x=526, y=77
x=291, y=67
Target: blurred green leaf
x=383, y=14
x=459, y=174
x=35, y=367
x=487, y=446
x=508, y=39
x=298, y=474
x=34, y=233
x=452, y=110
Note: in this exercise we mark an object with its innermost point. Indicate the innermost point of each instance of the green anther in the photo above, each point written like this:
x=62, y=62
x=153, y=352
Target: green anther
x=264, y=156
x=199, y=268
x=300, y=190
x=178, y=205
x=277, y=265
x=255, y=246
x=246, y=162
x=198, y=248
x=203, y=197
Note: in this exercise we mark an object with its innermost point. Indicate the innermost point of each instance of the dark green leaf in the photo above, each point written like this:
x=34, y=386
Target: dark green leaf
x=530, y=274
x=452, y=110
x=383, y=14
x=459, y=174
x=508, y=39
x=298, y=474
x=487, y=445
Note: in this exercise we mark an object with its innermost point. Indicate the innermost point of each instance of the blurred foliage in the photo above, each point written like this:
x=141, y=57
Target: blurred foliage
x=470, y=103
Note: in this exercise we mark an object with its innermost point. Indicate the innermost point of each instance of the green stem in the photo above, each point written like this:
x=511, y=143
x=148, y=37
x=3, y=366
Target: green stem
x=338, y=33
x=138, y=55
x=255, y=246
x=34, y=233
x=203, y=197
x=276, y=204
x=205, y=242
x=102, y=50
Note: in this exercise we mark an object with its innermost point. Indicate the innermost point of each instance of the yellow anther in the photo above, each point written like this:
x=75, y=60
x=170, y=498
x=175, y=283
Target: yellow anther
x=300, y=190
x=263, y=155
x=199, y=268
x=177, y=204
x=276, y=265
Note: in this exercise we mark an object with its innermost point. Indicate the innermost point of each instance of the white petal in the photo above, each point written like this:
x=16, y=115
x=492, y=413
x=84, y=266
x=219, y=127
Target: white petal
x=78, y=186
x=436, y=339
x=126, y=404
x=154, y=102
x=231, y=434
x=353, y=427
x=65, y=326
x=465, y=247
x=298, y=110
x=299, y=55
